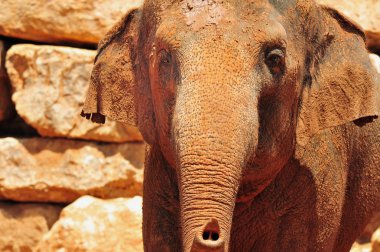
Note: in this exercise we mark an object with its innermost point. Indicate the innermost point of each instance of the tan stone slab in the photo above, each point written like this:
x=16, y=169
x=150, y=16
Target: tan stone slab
x=54, y=170
x=364, y=12
x=361, y=247
x=376, y=241
x=375, y=59
x=22, y=226
x=50, y=84
x=95, y=225
x=370, y=229
x=84, y=21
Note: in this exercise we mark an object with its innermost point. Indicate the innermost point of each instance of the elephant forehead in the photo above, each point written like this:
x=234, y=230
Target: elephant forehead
x=228, y=17
x=196, y=15
x=199, y=14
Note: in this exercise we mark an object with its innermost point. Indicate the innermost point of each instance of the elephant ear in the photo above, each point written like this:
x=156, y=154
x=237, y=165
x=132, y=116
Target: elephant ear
x=343, y=85
x=112, y=86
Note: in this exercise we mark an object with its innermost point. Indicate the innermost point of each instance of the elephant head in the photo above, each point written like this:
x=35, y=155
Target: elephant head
x=227, y=90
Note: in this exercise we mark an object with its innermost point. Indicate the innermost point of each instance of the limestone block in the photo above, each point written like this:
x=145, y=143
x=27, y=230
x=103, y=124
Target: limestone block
x=57, y=21
x=95, y=225
x=50, y=84
x=54, y=170
x=22, y=226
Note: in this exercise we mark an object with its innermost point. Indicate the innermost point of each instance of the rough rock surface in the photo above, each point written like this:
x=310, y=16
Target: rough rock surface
x=375, y=59
x=50, y=84
x=6, y=106
x=95, y=225
x=364, y=12
x=376, y=241
x=22, y=226
x=361, y=247
x=48, y=170
x=372, y=226
x=58, y=21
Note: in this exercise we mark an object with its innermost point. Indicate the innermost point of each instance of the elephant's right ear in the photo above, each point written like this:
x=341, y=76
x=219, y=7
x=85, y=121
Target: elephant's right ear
x=112, y=87
x=343, y=85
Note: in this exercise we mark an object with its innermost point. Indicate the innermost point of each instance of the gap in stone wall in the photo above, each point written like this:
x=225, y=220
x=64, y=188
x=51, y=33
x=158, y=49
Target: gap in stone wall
x=17, y=127
x=14, y=41
x=373, y=43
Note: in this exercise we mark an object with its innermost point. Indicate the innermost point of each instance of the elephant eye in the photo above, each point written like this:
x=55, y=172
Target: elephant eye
x=165, y=66
x=275, y=60
x=164, y=57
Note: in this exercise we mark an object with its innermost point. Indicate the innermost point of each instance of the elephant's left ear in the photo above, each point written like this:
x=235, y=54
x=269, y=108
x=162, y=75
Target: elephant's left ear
x=343, y=85
x=112, y=86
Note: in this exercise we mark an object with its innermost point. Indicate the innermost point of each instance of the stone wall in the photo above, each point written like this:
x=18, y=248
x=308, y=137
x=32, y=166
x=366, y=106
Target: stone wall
x=67, y=184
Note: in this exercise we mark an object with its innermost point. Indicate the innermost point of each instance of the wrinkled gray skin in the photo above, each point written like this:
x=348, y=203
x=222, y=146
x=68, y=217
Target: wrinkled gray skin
x=261, y=120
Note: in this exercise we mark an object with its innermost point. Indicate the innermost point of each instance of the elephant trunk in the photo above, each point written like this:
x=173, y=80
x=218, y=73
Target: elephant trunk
x=214, y=133
x=209, y=185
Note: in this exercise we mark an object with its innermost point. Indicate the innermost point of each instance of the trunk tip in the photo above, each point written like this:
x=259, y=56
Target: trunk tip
x=209, y=238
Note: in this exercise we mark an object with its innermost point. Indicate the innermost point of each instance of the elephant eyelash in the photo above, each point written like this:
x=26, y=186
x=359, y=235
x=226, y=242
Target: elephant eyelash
x=275, y=60
x=164, y=57
x=274, y=43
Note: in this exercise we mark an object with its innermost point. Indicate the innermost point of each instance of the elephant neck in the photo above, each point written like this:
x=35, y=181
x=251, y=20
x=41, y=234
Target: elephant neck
x=256, y=179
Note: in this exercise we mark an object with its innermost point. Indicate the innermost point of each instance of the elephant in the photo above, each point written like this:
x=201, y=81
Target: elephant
x=260, y=118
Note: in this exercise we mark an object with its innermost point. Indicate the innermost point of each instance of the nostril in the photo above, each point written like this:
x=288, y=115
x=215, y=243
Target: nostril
x=209, y=235
x=214, y=236
x=206, y=235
